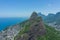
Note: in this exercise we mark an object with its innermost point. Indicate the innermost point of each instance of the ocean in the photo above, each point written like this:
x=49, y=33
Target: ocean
x=6, y=22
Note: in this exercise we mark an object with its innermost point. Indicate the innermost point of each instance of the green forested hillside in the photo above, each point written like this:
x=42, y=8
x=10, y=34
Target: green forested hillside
x=51, y=34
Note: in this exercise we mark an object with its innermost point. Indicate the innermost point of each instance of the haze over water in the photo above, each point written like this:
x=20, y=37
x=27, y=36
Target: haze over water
x=6, y=22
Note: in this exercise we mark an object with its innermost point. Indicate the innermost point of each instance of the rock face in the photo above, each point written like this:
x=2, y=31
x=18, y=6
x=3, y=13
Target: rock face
x=36, y=28
x=33, y=16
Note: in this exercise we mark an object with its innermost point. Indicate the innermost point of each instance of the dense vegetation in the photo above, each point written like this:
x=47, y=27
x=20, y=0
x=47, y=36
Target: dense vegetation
x=51, y=34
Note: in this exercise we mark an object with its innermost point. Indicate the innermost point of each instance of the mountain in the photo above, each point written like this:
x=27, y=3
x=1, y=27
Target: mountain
x=49, y=18
x=52, y=19
x=57, y=17
x=35, y=29
x=40, y=14
x=43, y=16
x=32, y=28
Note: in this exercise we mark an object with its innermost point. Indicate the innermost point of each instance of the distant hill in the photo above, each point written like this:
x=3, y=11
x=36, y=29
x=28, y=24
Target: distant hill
x=35, y=29
x=52, y=19
x=57, y=18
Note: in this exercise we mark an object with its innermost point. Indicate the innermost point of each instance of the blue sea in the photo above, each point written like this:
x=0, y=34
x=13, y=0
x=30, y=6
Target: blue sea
x=6, y=22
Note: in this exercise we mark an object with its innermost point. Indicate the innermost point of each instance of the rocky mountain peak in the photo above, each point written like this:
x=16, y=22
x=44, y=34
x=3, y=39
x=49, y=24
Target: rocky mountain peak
x=34, y=29
x=34, y=15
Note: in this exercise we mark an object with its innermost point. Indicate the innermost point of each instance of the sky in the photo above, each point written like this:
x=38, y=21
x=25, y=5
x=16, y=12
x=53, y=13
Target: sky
x=24, y=8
